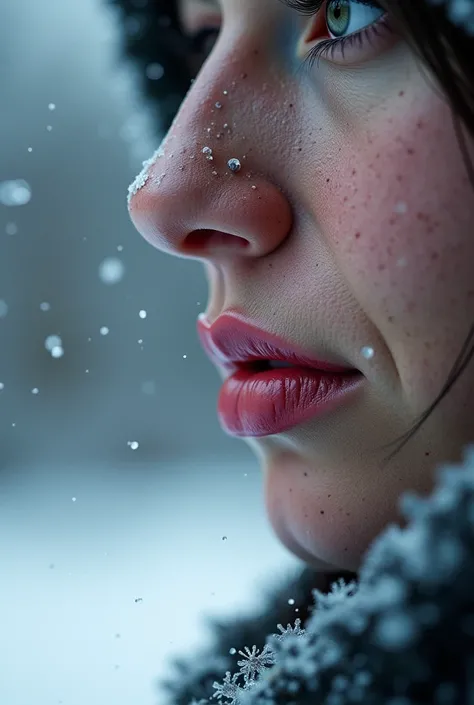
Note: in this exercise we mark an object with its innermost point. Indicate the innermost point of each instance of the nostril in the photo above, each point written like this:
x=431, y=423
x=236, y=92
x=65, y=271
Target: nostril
x=200, y=241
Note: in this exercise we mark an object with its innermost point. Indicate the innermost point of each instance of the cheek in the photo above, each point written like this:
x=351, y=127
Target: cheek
x=403, y=237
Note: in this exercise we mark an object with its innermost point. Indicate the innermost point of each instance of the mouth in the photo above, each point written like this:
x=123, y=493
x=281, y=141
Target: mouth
x=271, y=386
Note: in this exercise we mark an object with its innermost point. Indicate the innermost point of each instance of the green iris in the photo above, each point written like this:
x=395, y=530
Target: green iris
x=338, y=15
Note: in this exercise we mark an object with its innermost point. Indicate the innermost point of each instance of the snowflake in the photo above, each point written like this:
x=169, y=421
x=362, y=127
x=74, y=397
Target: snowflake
x=254, y=662
x=296, y=630
x=228, y=688
x=340, y=591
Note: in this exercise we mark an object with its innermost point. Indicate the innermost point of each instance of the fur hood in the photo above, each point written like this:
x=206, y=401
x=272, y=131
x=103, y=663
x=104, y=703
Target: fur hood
x=401, y=632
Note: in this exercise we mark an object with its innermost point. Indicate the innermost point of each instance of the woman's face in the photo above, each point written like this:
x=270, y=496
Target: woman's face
x=359, y=234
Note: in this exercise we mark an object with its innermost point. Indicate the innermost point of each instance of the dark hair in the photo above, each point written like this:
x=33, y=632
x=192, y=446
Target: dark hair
x=153, y=34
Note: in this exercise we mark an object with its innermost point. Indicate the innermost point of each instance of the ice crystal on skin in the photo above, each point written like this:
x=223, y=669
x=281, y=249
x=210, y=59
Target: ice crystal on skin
x=144, y=175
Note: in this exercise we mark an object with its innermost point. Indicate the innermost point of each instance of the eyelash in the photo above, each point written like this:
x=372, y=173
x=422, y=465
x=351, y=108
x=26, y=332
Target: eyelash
x=328, y=47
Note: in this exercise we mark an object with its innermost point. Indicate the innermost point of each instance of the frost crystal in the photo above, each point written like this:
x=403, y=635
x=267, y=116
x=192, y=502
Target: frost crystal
x=143, y=176
x=111, y=270
x=15, y=193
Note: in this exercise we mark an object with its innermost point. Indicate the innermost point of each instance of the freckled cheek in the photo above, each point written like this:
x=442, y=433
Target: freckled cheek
x=402, y=236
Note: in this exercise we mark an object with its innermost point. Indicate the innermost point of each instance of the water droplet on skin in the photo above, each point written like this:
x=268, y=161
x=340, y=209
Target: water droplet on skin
x=45, y=306
x=142, y=313
x=3, y=308
x=2, y=386
x=254, y=188
x=214, y=173
x=51, y=106
x=234, y=165
x=11, y=228
x=208, y=152
x=224, y=538
x=218, y=105
x=133, y=444
x=232, y=651
x=291, y=601
x=367, y=352
x=225, y=92
x=104, y=330
x=35, y=390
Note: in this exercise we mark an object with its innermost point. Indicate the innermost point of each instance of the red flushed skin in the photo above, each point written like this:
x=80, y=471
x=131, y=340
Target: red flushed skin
x=265, y=403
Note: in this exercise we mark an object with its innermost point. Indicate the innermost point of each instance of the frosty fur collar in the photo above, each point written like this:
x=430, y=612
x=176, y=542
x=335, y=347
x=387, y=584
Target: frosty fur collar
x=402, y=635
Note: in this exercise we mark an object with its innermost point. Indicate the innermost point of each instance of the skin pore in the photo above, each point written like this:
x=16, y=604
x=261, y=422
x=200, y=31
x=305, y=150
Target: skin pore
x=360, y=234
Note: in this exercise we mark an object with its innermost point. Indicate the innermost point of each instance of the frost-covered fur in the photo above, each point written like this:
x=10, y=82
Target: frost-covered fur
x=402, y=633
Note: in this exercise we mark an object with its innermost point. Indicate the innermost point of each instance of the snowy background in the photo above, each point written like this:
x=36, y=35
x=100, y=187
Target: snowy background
x=126, y=514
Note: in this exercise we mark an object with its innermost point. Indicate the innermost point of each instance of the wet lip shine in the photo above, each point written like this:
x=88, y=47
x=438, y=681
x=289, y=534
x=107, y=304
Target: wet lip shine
x=258, y=400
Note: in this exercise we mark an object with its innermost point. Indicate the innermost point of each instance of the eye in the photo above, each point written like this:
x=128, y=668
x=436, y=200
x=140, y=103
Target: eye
x=349, y=16
x=352, y=25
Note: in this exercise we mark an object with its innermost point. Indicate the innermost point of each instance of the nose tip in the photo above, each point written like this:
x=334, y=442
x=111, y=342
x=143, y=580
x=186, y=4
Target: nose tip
x=186, y=204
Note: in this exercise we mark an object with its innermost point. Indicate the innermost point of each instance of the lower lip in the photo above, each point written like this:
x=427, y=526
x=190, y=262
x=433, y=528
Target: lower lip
x=256, y=404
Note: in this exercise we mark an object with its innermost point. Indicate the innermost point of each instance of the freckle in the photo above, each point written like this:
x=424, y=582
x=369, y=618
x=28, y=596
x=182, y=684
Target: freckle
x=410, y=150
x=328, y=180
x=420, y=124
x=354, y=172
x=390, y=319
x=329, y=496
x=377, y=156
x=345, y=199
x=255, y=52
x=321, y=511
x=427, y=452
x=381, y=267
x=244, y=75
x=399, y=177
x=300, y=149
x=401, y=93
x=434, y=256
x=357, y=236
x=392, y=221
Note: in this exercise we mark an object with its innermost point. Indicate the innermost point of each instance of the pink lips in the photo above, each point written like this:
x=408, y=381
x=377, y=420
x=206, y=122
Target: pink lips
x=257, y=402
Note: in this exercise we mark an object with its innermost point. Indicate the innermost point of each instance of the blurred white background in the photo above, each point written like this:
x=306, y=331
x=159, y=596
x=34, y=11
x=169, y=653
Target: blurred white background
x=109, y=555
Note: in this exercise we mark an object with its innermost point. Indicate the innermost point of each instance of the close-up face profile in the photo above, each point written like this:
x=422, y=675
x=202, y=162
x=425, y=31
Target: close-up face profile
x=315, y=169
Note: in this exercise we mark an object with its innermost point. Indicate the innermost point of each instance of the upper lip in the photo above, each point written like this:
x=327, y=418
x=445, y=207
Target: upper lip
x=232, y=342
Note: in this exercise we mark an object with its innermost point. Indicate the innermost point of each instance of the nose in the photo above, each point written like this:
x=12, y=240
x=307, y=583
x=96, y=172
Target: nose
x=204, y=194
